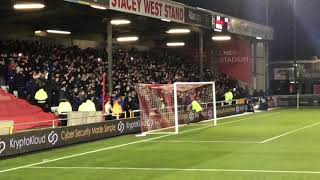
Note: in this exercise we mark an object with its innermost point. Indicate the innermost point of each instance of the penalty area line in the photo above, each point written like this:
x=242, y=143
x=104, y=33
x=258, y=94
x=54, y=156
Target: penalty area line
x=290, y=132
x=179, y=169
x=234, y=142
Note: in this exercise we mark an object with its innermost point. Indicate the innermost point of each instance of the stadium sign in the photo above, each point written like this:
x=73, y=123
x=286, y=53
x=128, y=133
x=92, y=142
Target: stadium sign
x=197, y=17
x=246, y=28
x=37, y=140
x=159, y=9
x=177, y=12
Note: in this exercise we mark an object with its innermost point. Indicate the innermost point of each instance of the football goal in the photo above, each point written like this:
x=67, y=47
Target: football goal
x=166, y=107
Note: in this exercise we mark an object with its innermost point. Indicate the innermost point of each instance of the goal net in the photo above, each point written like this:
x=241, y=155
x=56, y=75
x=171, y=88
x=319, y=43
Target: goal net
x=164, y=107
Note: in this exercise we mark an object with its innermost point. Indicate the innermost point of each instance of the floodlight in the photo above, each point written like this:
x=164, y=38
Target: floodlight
x=221, y=38
x=59, y=32
x=128, y=39
x=98, y=7
x=179, y=31
x=120, y=22
x=175, y=44
x=166, y=20
x=24, y=6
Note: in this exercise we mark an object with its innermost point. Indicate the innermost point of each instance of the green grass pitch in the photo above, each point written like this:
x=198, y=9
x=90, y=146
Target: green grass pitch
x=280, y=144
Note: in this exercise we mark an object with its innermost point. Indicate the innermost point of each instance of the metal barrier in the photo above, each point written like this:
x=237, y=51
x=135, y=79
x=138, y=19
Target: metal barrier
x=119, y=115
x=99, y=117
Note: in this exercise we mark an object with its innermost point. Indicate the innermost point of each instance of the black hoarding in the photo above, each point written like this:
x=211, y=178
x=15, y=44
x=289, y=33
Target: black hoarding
x=231, y=110
x=291, y=100
x=51, y=138
x=208, y=113
x=198, y=17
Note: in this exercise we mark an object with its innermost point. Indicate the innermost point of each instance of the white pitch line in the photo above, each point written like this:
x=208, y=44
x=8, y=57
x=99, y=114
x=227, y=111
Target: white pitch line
x=178, y=169
x=118, y=146
x=98, y=150
x=290, y=132
x=235, y=142
x=242, y=119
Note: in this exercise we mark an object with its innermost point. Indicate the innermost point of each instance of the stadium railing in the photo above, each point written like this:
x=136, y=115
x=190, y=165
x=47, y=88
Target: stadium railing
x=79, y=118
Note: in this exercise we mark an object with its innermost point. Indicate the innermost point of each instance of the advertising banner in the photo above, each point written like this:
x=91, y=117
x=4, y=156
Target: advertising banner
x=197, y=17
x=243, y=27
x=190, y=116
x=220, y=23
x=283, y=73
x=231, y=110
x=36, y=140
x=235, y=59
x=291, y=100
x=159, y=9
x=316, y=89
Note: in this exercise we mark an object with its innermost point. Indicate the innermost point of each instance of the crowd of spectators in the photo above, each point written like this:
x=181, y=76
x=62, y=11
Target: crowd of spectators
x=76, y=74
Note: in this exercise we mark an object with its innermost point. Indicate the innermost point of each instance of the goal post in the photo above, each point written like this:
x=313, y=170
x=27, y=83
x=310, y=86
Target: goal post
x=213, y=93
x=165, y=107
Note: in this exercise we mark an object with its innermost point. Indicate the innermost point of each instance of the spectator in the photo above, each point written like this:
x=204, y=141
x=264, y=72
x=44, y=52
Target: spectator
x=116, y=109
x=75, y=74
x=108, y=110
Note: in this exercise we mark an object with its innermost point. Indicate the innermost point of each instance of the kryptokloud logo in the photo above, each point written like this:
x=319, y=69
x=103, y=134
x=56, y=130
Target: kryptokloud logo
x=53, y=138
x=2, y=146
x=121, y=126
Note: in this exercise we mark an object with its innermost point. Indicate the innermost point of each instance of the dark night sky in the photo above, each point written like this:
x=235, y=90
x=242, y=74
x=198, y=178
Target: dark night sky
x=280, y=18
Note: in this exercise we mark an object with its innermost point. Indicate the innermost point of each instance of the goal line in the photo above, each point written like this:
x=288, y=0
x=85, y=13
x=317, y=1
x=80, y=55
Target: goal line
x=179, y=169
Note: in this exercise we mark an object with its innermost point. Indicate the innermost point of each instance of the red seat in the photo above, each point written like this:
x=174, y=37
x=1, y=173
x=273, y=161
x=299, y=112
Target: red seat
x=24, y=115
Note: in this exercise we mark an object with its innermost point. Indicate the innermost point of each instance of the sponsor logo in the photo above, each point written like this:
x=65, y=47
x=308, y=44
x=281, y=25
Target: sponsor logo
x=2, y=146
x=306, y=102
x=27, y=141
x=149, y=123
x=53, y=138
x=283, y=103
x=191, y=116
x=210, y=113
x=121, y=127
x=193, y=16
x=237, y=109
x=132, y=125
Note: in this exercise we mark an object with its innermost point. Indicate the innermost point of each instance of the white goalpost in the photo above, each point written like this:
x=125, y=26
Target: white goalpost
x=165, y=107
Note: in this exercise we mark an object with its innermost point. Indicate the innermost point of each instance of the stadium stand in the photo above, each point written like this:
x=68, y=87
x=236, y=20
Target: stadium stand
x=75, y=74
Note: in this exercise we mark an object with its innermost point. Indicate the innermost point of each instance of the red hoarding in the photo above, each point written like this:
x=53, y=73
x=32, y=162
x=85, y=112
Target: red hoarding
x=235, y=59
